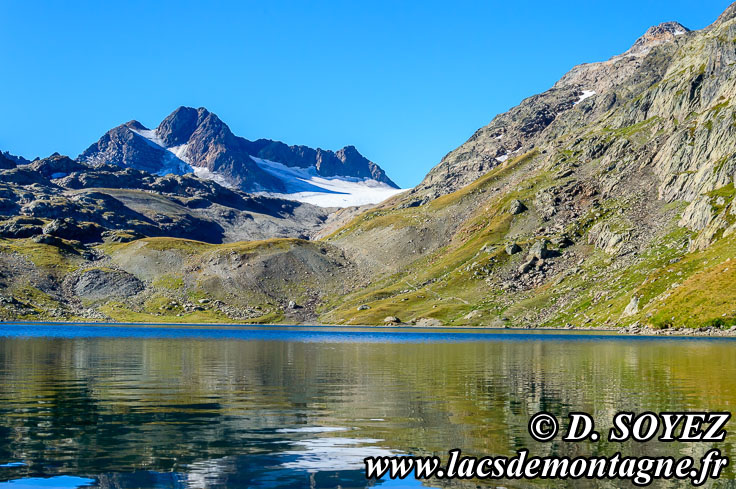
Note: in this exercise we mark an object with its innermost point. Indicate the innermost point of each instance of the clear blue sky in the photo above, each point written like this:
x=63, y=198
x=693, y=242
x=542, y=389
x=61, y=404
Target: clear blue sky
x=405, y=82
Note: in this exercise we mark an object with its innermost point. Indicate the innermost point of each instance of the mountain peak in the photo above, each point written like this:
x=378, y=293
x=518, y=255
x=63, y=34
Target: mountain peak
x=727, y=15
x=135, y=125
x=658, y=34
x=349, y=150
x=197, y=140
x=178, y=126
x=666, y=29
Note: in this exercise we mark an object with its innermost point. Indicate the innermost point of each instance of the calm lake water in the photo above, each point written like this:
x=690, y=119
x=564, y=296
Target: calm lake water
x=281, y=407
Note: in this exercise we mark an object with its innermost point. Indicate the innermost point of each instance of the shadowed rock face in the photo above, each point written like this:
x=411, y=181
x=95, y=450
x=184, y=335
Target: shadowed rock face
x=6, y=163
x=197, y=138
x=100, y=284
x=179, y=126
x=122, y=146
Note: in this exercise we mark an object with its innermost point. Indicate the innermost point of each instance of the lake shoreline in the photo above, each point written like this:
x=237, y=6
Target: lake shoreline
x=633, y=330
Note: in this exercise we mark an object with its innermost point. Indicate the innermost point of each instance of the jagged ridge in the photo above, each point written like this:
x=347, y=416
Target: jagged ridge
x=197, y=138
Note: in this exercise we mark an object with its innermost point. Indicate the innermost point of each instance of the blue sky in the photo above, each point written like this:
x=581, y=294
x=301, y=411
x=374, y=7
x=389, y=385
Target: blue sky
x=405, y=82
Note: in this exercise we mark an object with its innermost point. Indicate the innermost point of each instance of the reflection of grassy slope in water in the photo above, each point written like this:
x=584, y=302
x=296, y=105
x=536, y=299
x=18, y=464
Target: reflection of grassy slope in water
x=238, y=396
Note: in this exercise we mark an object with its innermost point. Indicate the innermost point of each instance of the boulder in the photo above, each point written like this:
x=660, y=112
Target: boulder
x=391, y=320
x=363, y=307
x=516, y=207
x=601, y=236
x=121, y=236
x=632, y=308
x=512, y=249
x=527, y=265
x=48, y=240
x=562, y=241
x=539, y=250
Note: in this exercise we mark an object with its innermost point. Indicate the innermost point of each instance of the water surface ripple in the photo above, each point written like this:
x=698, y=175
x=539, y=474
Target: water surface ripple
x=280, y=407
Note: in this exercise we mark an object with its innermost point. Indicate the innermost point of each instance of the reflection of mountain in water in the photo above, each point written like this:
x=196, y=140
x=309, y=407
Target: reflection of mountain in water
x=205, y=412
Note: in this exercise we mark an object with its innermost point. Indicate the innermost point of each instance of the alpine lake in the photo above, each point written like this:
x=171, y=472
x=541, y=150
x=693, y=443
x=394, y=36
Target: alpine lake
x=116, y=406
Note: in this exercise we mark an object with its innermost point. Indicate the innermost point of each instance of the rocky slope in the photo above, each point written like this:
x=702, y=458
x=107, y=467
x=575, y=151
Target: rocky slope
x=607, y=200
x=197, y=140
x=58, y=197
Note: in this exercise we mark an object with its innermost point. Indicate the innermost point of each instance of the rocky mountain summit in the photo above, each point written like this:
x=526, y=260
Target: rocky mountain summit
x=607, y=200
x=656, y=35
x=196, y=140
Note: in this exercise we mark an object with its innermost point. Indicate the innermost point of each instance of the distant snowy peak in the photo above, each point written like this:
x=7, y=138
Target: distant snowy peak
x=306, y=185
x=196, y=140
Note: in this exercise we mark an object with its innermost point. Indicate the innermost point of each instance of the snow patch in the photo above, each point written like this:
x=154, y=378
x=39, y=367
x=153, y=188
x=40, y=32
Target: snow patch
x=586, y=94
x=172, y=164
x=502, y=158
x=305, y=185
x=174, y=160
x=206, y=174
x=151, y=135
x=181, y=152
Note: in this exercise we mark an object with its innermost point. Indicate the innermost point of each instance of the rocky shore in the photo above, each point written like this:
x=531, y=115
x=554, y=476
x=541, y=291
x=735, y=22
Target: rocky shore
x=633, y=330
